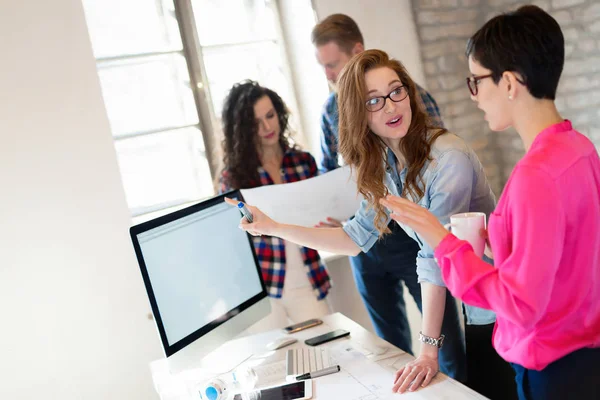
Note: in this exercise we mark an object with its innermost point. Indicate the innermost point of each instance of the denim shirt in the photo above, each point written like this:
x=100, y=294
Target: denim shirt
x=454, y=182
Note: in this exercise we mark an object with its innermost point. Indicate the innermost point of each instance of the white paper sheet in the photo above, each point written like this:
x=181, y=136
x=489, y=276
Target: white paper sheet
x=375, y=352
x=363, y=379
x=370, y=381
x=309, y=201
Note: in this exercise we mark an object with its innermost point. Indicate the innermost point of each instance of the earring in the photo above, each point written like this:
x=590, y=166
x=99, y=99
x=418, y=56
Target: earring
x=510, y=97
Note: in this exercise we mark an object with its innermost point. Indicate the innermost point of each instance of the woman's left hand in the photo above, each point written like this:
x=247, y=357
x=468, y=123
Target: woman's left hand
x=418, y=218
x=415, y=374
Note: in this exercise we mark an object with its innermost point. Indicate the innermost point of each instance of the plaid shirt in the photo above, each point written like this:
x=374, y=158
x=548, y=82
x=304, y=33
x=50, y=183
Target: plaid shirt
x=296, y=166
x=330, y=120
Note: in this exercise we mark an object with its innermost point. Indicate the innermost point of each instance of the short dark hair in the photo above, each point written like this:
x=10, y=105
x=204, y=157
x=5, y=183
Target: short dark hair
x=338, y=28
x=527, y=41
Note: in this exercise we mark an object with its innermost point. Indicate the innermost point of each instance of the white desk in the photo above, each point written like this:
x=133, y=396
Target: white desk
x=441, y=387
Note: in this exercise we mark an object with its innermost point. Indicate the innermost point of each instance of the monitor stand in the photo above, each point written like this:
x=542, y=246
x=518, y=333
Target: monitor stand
x=219, y=350
x=223, y=359
x=227, y=357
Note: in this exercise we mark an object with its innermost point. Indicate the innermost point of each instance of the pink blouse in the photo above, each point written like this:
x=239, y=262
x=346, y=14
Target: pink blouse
x=545, y=236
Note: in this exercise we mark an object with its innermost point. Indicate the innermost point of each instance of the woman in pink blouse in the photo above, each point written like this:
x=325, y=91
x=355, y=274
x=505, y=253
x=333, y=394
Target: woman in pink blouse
x=545, y=231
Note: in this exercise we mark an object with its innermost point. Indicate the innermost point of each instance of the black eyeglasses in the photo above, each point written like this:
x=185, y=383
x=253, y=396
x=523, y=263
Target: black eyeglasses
x=473, y=82
x=377, y=103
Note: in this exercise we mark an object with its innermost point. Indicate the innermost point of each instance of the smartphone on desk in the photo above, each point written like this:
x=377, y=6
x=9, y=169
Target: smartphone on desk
x=327, y=337
x=302, y=325
x=301, y=390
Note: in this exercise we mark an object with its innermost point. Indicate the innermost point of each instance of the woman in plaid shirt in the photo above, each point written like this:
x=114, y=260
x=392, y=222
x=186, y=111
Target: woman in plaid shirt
x=257, y=152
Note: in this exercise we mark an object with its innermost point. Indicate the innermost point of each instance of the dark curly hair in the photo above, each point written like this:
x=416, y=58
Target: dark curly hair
x=240, y=158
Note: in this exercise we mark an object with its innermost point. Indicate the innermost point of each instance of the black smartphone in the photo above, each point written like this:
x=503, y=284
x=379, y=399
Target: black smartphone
x=302, y=325
x=292, y=391
x=327, y=337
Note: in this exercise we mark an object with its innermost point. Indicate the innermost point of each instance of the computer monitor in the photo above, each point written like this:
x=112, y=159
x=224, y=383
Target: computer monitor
x=202, y=278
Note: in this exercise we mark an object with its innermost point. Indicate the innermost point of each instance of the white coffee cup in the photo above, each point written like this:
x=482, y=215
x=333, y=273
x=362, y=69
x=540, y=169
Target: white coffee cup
x=467, y=226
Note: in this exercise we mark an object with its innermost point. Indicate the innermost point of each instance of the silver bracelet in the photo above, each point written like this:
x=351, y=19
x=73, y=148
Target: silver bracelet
x=432, y=341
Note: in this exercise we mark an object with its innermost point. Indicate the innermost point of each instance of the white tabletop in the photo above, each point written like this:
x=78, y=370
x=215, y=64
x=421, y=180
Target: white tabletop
x=370, y=378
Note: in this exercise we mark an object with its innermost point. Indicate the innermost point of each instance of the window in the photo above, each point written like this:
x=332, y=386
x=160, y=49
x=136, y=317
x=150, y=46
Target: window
x=148, y=75
x=240, y=40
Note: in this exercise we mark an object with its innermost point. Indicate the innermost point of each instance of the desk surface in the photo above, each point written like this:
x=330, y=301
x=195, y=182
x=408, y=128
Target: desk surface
x=376, y=350
x=441, y=387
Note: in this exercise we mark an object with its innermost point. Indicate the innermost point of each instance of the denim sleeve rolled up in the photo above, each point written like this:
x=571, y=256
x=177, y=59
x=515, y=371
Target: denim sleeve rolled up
x=448, y=192
x=453, y=182
x=361, y=228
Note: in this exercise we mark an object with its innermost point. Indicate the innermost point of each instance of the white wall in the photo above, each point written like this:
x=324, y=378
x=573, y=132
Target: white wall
x=385, y=24
x=297, y=21
x=74, y=312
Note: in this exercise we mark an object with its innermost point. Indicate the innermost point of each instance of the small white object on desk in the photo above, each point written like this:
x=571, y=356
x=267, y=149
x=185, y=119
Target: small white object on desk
x=281, y=342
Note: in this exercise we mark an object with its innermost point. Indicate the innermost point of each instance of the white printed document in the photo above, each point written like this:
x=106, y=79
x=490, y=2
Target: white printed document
x=363, y=379
x=310, y=201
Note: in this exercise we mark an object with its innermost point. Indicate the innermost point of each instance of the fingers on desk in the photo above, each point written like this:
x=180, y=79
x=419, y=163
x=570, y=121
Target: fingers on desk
x=411, y=378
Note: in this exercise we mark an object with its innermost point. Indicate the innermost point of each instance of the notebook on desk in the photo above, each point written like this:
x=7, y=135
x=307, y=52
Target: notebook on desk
x=304, y=360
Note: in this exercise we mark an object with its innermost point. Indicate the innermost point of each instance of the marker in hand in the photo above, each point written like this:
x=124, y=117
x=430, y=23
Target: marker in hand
x=244, y=210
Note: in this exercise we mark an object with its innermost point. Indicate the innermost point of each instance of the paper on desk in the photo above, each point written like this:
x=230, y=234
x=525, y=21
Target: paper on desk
x=309, y=201
x=363, y=379
x=357, y=380
x=374, y=350
x=441, y=386
x=345, y=353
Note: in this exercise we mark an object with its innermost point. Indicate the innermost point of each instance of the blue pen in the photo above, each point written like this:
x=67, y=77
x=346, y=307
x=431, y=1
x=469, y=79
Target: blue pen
x=245, y=212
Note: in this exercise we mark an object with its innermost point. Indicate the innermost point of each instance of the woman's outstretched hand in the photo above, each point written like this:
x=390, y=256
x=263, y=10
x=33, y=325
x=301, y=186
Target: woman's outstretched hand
x=261, y=224
x=417, y=218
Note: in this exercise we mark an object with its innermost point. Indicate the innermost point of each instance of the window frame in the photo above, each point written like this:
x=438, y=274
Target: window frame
x=208, y=122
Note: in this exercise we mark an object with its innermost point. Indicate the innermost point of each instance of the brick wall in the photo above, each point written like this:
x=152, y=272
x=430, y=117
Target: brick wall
x=444, y=27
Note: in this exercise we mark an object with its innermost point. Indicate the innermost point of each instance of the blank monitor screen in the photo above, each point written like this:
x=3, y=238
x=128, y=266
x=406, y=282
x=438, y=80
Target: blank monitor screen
x=199, y=270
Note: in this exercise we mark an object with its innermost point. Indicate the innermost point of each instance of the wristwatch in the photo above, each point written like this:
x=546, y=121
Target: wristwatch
x=432, y=341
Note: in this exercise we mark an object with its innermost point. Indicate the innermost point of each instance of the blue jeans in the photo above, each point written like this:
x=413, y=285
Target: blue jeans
x=380, y=275
x=575, y=376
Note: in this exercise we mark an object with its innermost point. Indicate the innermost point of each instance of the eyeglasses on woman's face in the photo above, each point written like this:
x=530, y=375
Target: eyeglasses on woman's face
x=377, y=103
x=473, y=82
